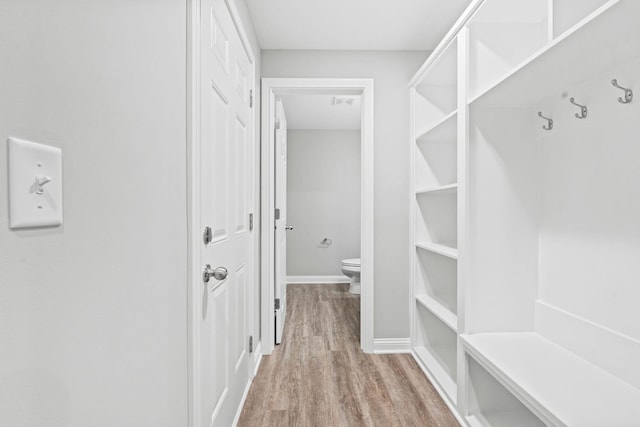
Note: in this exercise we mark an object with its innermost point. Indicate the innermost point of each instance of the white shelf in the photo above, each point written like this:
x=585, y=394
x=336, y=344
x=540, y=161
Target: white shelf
x=438, y=125
x=434, y=366
x=438, y=249
x=569, y=58
x=563, y=388
x=443, y=189
x=440, y=311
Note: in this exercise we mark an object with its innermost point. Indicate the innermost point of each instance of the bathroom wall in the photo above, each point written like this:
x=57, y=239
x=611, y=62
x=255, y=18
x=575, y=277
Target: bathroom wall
x=323, y=200
x=93, y=314
x=391, y=72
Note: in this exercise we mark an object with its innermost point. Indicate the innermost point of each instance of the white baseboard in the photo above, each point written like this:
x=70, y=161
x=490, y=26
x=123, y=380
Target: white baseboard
x=316, y=280
x=391, y=345
x=257, y=358
x=236, y=418
x=256, y=361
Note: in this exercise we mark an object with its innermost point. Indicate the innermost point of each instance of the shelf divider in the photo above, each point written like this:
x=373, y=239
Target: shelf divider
x=448, y=317
x=438, y=249
x=442, y=188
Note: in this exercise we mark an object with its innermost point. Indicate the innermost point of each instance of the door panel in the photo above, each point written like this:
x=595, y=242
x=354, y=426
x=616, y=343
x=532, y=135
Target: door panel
x=215, y=129
x=226, y=121
x=281, y=223
x=240, y=154
x=239, y=317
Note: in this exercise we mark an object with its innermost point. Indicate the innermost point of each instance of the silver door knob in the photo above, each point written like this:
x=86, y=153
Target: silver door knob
x=219, y=273
x=288, y=227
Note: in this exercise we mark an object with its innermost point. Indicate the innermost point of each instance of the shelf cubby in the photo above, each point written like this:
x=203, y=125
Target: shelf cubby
x=435, y=345
x=567, y=13
x=436, y=218
x=436, y=277
x=490, y=404
x=502, y=34
x=436, y=94
x=436, y=155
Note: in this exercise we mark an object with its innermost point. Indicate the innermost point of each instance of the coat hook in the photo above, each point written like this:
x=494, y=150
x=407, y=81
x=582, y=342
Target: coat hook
x=628, y=93
x=550, y=125
x=583, y=109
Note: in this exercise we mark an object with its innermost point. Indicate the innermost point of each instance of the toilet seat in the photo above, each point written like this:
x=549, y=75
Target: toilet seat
x=352, y=262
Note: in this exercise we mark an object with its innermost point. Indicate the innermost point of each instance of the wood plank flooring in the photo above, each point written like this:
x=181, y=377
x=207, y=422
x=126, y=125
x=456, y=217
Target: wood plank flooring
x=319, y=376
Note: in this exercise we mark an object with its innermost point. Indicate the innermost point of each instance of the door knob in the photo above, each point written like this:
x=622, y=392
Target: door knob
x=219, y=273
x=288, y=227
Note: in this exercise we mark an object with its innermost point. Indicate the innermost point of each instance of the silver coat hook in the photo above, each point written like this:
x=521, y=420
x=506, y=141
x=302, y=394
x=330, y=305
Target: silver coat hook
x=550, y=125
x=583, y=109
x=628, y=93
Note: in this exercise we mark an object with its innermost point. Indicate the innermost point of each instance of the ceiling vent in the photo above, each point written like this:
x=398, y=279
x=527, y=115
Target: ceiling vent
x=343, y=100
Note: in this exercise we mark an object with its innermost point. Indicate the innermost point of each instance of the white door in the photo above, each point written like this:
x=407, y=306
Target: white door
x=281, y=225
x=225, y=130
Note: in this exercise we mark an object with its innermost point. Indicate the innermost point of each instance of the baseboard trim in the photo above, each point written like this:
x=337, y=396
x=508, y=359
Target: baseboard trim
x=236, y=418
x=391, y=345
x=256, y=360
x=316, y=280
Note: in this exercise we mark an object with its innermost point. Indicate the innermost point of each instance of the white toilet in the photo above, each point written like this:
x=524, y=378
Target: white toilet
x=351, y=269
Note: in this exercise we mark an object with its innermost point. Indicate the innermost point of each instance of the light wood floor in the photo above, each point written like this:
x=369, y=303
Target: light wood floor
x=319, y=376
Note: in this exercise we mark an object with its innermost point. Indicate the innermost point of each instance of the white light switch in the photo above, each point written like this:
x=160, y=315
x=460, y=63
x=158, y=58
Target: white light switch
x=35, y=184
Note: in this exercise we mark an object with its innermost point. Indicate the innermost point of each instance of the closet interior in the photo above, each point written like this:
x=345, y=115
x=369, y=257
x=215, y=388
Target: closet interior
x=526, y=214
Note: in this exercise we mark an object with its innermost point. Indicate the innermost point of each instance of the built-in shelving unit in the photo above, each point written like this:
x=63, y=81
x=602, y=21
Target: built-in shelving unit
x=524, y=284
x=435, y=194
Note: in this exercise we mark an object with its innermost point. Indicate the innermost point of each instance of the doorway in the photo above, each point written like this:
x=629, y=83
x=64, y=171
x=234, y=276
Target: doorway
x=272, y=293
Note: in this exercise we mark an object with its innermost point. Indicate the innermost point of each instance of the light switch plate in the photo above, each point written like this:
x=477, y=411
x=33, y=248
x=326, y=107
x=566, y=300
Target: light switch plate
x=35, y=184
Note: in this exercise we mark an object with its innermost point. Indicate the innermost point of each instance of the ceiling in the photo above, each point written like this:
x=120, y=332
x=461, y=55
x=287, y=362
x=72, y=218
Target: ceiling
x=353, y=24
x=317, y=112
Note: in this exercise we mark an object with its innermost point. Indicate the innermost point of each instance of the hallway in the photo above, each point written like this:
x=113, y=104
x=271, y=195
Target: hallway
x=318, y=376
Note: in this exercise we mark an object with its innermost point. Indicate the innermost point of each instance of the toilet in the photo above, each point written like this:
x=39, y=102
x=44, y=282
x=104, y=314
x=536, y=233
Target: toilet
x=351, y=269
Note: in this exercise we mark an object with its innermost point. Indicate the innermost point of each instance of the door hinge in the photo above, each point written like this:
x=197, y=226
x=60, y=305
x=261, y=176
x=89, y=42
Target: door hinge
x=207, y=235
x=250, y=222
x=251, y=98
x=277, y=214
x=251, y=344
x=277, y=304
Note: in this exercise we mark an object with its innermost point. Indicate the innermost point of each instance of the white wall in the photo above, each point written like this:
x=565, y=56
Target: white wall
x=391, y=71
x=93, y=314
x=590, y=206
x=323, y=200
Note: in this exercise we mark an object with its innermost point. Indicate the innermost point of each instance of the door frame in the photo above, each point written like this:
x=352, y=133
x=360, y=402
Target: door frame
x=272, y=87
x=194, y=234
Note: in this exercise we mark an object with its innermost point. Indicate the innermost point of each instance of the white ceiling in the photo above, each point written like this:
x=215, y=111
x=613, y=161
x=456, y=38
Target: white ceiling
x=316, y=112
x=353, y=24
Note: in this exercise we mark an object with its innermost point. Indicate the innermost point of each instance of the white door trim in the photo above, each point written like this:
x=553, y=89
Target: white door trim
x=194, y=236
x=278, y=86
